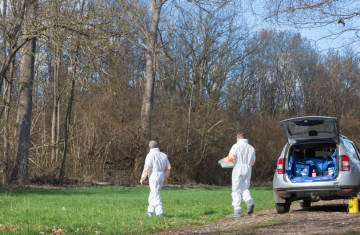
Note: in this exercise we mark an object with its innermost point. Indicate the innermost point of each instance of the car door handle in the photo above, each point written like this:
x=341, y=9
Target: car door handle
x=336, y=184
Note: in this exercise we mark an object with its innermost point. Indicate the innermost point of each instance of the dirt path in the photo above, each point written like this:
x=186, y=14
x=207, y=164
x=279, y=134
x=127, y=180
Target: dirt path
x=324, y=217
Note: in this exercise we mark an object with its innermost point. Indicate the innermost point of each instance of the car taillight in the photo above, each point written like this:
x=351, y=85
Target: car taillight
x=280, y=166
x=345, y=163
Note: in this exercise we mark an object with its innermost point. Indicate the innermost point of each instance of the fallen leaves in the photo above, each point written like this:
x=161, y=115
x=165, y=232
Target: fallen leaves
x=10, y=227
x=57, y=231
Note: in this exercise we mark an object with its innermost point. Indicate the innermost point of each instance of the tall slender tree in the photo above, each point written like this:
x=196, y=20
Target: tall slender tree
x=24, y=106
x=150, y=29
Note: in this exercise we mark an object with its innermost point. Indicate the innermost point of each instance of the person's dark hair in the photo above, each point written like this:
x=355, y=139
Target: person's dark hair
x=241, y=134
x=153, y=144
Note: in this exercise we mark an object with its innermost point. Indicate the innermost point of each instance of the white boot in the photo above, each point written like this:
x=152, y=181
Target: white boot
x=237, y=213
x=149, y=214
x=250, y=206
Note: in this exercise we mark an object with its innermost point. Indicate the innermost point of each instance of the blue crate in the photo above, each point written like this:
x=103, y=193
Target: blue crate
x=301, y=169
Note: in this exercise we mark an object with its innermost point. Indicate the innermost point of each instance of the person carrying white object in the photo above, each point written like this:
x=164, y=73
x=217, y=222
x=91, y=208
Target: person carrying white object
x=157, y=167
x=243, y=156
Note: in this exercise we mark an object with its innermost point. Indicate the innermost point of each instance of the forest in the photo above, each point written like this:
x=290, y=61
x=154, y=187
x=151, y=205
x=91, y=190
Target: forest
x=85, y=85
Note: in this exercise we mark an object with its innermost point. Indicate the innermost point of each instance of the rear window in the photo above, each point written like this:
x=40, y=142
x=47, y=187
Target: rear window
x=313, y=127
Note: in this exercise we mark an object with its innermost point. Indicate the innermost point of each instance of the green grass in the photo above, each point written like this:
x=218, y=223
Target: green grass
x=352, y=231
x=270, y=222
x=117, y=210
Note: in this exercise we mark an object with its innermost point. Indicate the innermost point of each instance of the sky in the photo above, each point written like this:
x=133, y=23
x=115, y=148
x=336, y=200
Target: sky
x=316, y=36
x=319, y=37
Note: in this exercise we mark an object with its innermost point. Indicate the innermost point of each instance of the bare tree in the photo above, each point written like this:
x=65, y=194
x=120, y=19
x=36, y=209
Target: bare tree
x=67, y=123
x=336, y=16
x=7, y=97
x=14, y=33
x=7, y=100
x=23, y=119
x=148, y=95
x=75, y=64
x=150, y=30
x=55, y=127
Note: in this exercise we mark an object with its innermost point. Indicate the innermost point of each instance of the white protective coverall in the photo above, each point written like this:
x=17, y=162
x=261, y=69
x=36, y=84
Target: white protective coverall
x=157, y=167
x=243, y=156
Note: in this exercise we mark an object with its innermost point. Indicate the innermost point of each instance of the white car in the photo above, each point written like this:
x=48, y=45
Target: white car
x=317, y=163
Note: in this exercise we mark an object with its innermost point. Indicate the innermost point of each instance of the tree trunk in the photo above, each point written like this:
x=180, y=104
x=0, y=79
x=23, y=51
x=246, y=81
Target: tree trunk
x=55, y=126
x=148, y=95
x=54, y=131
x=68, y=111
x=7, y=93
x=23, y=118
x=67, y=130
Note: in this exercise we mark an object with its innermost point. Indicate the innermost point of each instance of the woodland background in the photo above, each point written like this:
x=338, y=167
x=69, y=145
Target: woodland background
x=86, y=84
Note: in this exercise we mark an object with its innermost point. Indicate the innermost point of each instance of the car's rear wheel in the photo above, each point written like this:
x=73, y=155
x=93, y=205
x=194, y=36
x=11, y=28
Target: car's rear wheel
x=305, y=203
x=282, y=207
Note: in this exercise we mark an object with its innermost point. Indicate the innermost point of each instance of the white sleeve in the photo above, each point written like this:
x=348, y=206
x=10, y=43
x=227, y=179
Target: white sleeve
x=233, y=149
x=149, y=160
x=253, y=156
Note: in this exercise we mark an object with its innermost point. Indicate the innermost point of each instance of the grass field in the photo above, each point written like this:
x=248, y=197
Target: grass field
x=116, y=210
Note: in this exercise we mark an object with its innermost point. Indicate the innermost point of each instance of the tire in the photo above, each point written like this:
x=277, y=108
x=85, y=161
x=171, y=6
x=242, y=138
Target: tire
x=305, y=204
x=282, y=207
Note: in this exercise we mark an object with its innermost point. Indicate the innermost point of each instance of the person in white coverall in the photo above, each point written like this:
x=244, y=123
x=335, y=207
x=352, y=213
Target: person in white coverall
x=157, y=167
x=242, y=154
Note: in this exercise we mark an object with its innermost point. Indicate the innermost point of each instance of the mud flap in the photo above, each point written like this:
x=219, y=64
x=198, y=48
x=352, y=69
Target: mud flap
x=278, y=199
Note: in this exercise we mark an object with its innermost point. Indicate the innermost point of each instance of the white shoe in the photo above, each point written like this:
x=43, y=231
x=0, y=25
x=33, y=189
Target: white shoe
x=235, y=214
x=149, y=214
x=250, y=207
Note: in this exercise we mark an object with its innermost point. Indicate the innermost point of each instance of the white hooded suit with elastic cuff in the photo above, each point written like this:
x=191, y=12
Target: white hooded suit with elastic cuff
x=157, y=167
x=243, y=156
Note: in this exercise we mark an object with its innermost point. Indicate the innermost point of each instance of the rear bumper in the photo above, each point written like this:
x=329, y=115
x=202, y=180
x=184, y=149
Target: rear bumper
x=324, y=193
